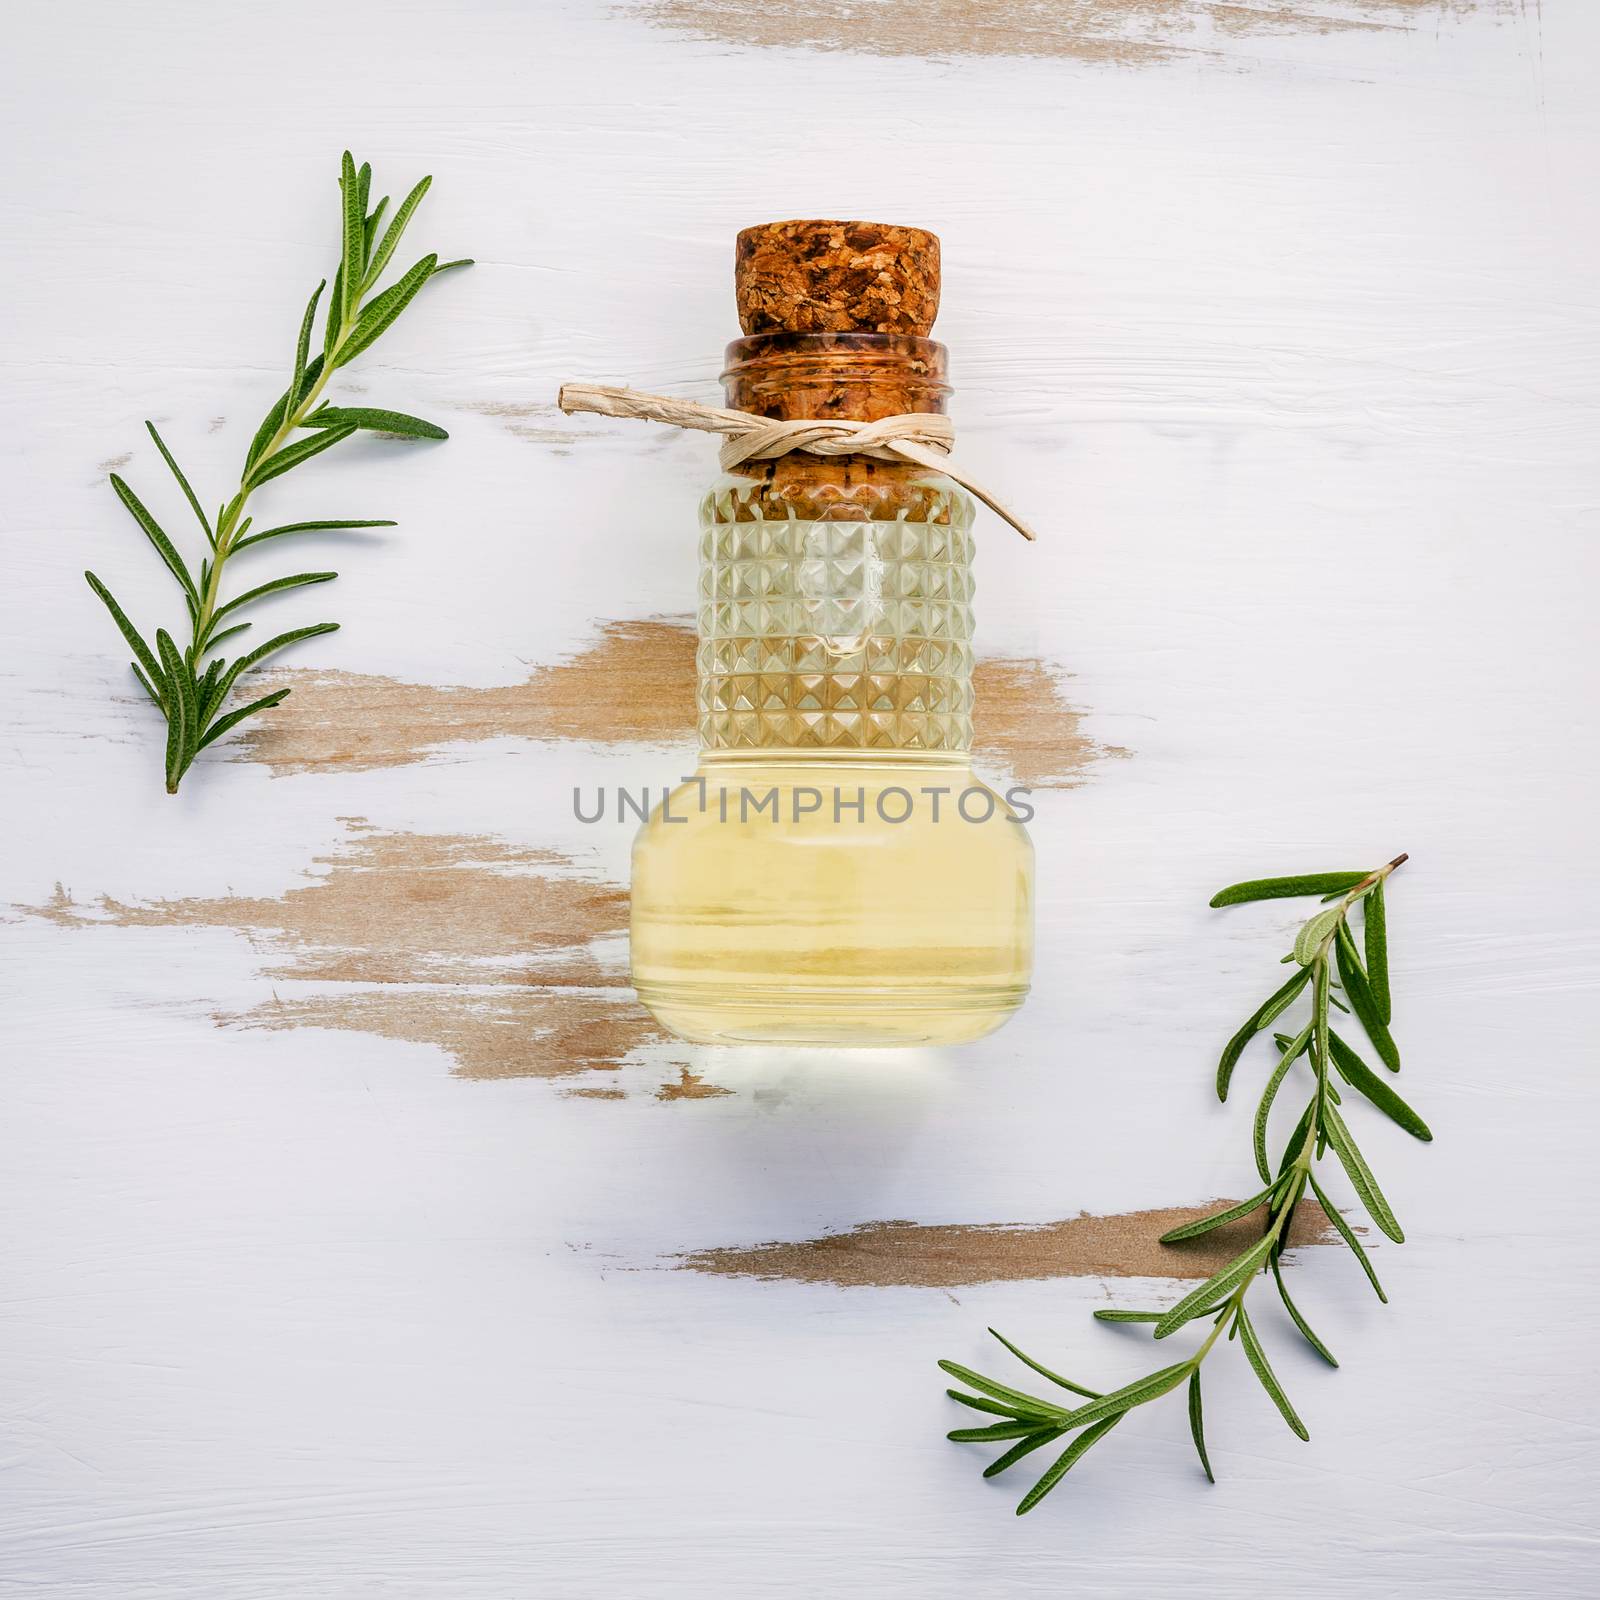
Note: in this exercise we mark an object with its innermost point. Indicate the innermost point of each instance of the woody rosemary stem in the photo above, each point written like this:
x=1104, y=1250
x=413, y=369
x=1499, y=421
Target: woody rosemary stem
x=1323, y=947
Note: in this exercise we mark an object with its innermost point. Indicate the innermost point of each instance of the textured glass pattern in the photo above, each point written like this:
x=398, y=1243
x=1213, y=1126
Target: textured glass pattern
x=836, y=619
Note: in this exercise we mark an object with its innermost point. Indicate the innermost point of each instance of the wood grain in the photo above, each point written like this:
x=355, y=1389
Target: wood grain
x=634, y=684
x=1118, y=32
x=404, y=908
x=446, y=925
x=533, y=1032
x=950, y=1256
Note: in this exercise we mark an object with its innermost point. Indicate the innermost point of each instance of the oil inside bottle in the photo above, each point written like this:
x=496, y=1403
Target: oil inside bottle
x=834, y=873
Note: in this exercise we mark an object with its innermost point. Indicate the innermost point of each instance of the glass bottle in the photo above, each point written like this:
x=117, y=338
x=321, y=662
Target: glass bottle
x=834, y=873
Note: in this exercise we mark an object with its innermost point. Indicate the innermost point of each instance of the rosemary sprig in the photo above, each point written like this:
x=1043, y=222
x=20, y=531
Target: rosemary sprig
x=1324, y=944
x=189, y=690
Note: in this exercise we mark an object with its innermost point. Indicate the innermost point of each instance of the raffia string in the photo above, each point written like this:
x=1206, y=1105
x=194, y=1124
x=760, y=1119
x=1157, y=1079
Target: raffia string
x=920, y=437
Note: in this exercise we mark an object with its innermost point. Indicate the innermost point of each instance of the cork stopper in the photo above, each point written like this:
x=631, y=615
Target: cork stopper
x=837, y=277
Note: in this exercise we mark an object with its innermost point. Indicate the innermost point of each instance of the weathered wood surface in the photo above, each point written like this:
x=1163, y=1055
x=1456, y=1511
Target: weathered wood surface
x=363, y=1236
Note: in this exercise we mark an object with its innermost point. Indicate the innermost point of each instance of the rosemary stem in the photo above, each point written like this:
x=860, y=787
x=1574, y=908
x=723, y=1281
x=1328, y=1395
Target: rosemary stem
x=1373, y=878
x=1224, y=1321
x=230, y=519
x=1289, y=1194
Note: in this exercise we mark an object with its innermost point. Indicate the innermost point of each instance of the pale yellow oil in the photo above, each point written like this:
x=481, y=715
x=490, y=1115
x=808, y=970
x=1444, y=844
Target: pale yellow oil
x=831, y=925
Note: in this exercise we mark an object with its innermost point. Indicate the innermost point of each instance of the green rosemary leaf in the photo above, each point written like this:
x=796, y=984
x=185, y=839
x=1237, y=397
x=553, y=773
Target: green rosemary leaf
x=364, y=183
x=147, y=656
x=1286, y=888
x=1297, y=1139
x=1264, y=1014
x=450, y=266
x=1045, y=1372
x=351, y=262
x=1314, y=934
x=264, y=436
x=302, y=349
x=1365, y=1008
x=274, y=420
x=1375, y=936
x=1298, y=1320
x=1065, y=1462
x=308, y=527
x=1280, y=1002
x=1360, y=1175
x=1264, y=1111
x=1197, y=1424
x=1257, y=1357
x=1362, y=1078
x=1150, y=1387
x=1022, y=1448
x=333, y=320
x=1296, y=1047
x=1109, y=1315
x=183, y=482
x=188, y=689
x=227, y=633
x=147, y=686
x=1347, y=943
x=204, y=686
x=1191, y=1230
x=234, y=718
x=261, y=652
x=391, y=238
x=370, y=230
x=209, y=694
x=152, y=531
x=1321, y=988
x=1000, y=1391
x=179, y=707
x=1000, y=1430
x=979, y=1403
x=381, y=312
x=176, y=731
x=280, y=642
x=375, y=421
x=294, y=581
x=1224, y=1282
x=1343, y=1229
x=293, y=454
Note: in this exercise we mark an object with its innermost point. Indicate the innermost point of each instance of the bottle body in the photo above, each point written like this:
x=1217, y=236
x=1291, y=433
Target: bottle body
x=807, y=899
x=834, y=873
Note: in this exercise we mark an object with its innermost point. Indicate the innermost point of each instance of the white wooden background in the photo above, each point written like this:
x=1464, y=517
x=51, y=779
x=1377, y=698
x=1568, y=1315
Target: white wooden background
x=1280, y=320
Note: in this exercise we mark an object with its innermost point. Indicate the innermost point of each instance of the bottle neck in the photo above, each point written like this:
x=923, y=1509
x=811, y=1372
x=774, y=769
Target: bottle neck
x=796, y=762
x=851, y=377
x=836, y=617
